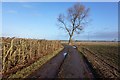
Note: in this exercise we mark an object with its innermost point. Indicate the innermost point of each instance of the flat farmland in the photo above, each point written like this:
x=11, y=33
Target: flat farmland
x=103, y=56
x=31, y=58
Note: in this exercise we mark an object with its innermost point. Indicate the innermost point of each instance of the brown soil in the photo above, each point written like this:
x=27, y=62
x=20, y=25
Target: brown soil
x=102, y=67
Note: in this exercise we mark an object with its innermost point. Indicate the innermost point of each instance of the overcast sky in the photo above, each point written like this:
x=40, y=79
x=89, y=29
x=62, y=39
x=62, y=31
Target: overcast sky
x=39, y=19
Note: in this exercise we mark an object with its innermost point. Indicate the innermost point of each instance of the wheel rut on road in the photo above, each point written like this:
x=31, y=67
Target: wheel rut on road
x=68, y=63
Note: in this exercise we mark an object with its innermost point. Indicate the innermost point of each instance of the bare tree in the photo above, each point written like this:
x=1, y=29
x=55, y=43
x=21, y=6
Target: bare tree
x=74, y=21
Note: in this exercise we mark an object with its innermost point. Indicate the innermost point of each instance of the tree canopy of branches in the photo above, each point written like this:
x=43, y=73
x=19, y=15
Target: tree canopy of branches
x=74, y=21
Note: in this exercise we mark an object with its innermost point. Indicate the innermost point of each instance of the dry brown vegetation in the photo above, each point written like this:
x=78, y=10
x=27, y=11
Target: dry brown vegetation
x=18, y=53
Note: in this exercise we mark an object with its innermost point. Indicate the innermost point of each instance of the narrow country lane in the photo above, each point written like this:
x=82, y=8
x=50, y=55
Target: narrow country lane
x=68, y=63
x=74, y=66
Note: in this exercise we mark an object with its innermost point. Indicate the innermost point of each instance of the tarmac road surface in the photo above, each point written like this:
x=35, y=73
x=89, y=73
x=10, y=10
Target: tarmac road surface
x=68, y=63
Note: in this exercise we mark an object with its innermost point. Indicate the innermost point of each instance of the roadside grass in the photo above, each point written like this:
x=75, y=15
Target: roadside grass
x=36, y=65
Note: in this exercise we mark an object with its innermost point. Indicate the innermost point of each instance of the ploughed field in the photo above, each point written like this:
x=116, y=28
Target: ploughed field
x=103, y=57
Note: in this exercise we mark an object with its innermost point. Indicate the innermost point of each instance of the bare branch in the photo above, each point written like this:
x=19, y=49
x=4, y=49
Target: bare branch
x=61, y=20
x=76, y=18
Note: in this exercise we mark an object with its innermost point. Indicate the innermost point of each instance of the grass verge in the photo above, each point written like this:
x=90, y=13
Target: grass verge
x=28, y=70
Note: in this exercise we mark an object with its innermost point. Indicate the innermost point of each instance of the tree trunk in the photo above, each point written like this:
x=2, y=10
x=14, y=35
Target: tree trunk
x=70, y=40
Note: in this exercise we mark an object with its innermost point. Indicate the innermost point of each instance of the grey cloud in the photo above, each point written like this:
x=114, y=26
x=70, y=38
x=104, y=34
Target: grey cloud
x=99, y=36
